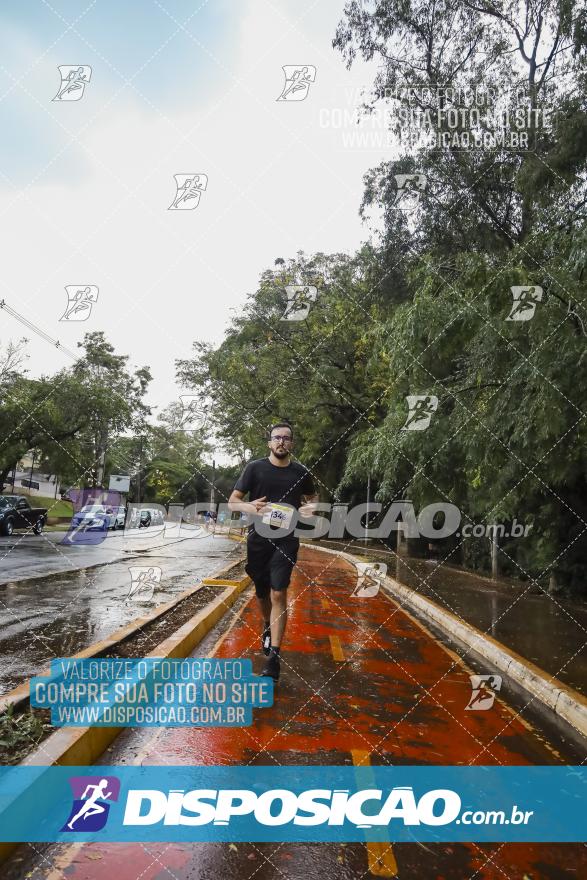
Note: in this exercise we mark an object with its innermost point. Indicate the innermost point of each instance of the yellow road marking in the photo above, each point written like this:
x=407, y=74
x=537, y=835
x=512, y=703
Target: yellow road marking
x=380, y=855
x=361, y=757
x=336, y=648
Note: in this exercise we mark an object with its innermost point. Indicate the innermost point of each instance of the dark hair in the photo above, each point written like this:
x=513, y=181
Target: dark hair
x=280, y=425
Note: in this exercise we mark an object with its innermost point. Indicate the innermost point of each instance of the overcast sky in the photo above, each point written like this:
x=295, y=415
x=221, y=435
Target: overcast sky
x=176, y=87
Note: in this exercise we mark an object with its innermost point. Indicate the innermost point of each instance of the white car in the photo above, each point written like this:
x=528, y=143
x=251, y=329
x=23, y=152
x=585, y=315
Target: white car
x=99, y=516
x=119, y=517
x=93, y=516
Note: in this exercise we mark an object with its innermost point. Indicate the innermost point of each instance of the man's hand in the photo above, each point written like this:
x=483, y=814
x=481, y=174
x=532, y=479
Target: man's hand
x=258, y=505
x=252, y=508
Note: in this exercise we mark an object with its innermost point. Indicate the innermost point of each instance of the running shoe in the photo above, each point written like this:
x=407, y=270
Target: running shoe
x=272, y=667
x=266, y=641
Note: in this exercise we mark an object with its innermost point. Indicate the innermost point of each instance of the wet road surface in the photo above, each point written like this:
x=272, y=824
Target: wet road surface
x=362, y=681
x=25, y=555
x=59, y=615
x=548, y=630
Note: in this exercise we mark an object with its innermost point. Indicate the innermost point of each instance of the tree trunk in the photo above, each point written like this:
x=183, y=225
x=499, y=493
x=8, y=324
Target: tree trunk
x=494, y=543
x=3, y=474
x=101, y=455
x=553, y=586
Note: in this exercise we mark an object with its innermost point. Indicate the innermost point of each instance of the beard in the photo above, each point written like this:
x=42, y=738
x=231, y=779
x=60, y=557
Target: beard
x=280, y=453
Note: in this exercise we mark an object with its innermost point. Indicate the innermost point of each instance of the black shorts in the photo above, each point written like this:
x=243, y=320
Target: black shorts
x=270, y=562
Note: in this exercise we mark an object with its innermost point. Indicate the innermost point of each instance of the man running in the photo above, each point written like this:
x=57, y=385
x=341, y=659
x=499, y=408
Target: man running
x=273, y=484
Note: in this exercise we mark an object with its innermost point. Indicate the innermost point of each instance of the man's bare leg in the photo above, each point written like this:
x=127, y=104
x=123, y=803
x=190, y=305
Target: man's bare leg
x=278, y=616
x=265, y=606
x=264, y=603
x=278, y=621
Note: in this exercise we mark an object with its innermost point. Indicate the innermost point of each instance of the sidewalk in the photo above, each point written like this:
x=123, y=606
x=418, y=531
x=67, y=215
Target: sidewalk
x=361, y=682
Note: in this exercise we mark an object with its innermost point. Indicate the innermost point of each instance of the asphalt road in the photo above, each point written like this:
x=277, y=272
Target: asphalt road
x=31, y=556
x=54, y=605
x=362, y=683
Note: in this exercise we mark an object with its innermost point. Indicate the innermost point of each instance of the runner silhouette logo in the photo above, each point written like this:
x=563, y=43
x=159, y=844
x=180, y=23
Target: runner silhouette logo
x=188, y=189
x=90, y=808
x=74, y=79
x=298, y=79
x=483, y=691
x=526, y=298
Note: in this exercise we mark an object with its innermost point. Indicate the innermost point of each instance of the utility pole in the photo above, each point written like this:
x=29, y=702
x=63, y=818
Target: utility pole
x=32, y=469
x=367, y=513
x=213, y=487
x=213, y=493
x=494, y=543
x=139, y=471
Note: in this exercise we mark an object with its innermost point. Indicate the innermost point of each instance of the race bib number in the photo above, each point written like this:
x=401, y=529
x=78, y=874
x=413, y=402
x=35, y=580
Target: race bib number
x=278, y=515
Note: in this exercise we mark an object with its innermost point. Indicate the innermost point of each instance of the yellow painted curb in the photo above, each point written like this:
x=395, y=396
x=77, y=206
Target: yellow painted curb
x=219, y=582
x=20, y=694
x=81, y=746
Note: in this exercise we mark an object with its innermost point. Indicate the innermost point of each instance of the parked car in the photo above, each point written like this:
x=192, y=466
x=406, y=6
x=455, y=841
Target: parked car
x=151, y=516
x=119, y=517
x=17, y=513
x=94, y=516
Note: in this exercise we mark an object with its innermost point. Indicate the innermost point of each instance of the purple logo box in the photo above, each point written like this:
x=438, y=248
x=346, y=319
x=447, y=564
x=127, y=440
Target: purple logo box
x=84, y=527
x=90, y=808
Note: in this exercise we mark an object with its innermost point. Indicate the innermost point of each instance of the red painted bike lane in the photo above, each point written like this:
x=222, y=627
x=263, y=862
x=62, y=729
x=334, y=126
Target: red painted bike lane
x=361, y=682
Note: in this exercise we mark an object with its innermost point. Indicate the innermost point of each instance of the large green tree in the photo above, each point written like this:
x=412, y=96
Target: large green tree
x=311, y=371
x=70, y=418
x=508, y=436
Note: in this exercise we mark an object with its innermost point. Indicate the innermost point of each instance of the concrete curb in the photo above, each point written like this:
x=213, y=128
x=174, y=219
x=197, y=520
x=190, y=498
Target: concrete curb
x=81, y=746
x=566, y=702
x=19, y=696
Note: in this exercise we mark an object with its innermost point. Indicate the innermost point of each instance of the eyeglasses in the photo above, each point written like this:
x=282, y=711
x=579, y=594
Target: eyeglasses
x=282, y=437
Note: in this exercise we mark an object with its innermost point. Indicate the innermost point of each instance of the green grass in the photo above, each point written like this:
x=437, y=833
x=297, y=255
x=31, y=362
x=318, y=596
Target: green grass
x=55, y=506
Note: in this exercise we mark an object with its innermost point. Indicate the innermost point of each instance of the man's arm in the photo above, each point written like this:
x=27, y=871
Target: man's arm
x=235, y=502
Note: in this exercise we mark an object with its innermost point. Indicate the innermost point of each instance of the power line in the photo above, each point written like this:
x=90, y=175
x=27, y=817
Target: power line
x=41, y=333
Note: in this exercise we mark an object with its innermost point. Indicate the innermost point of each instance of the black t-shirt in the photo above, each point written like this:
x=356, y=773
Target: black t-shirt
x=285, y=485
